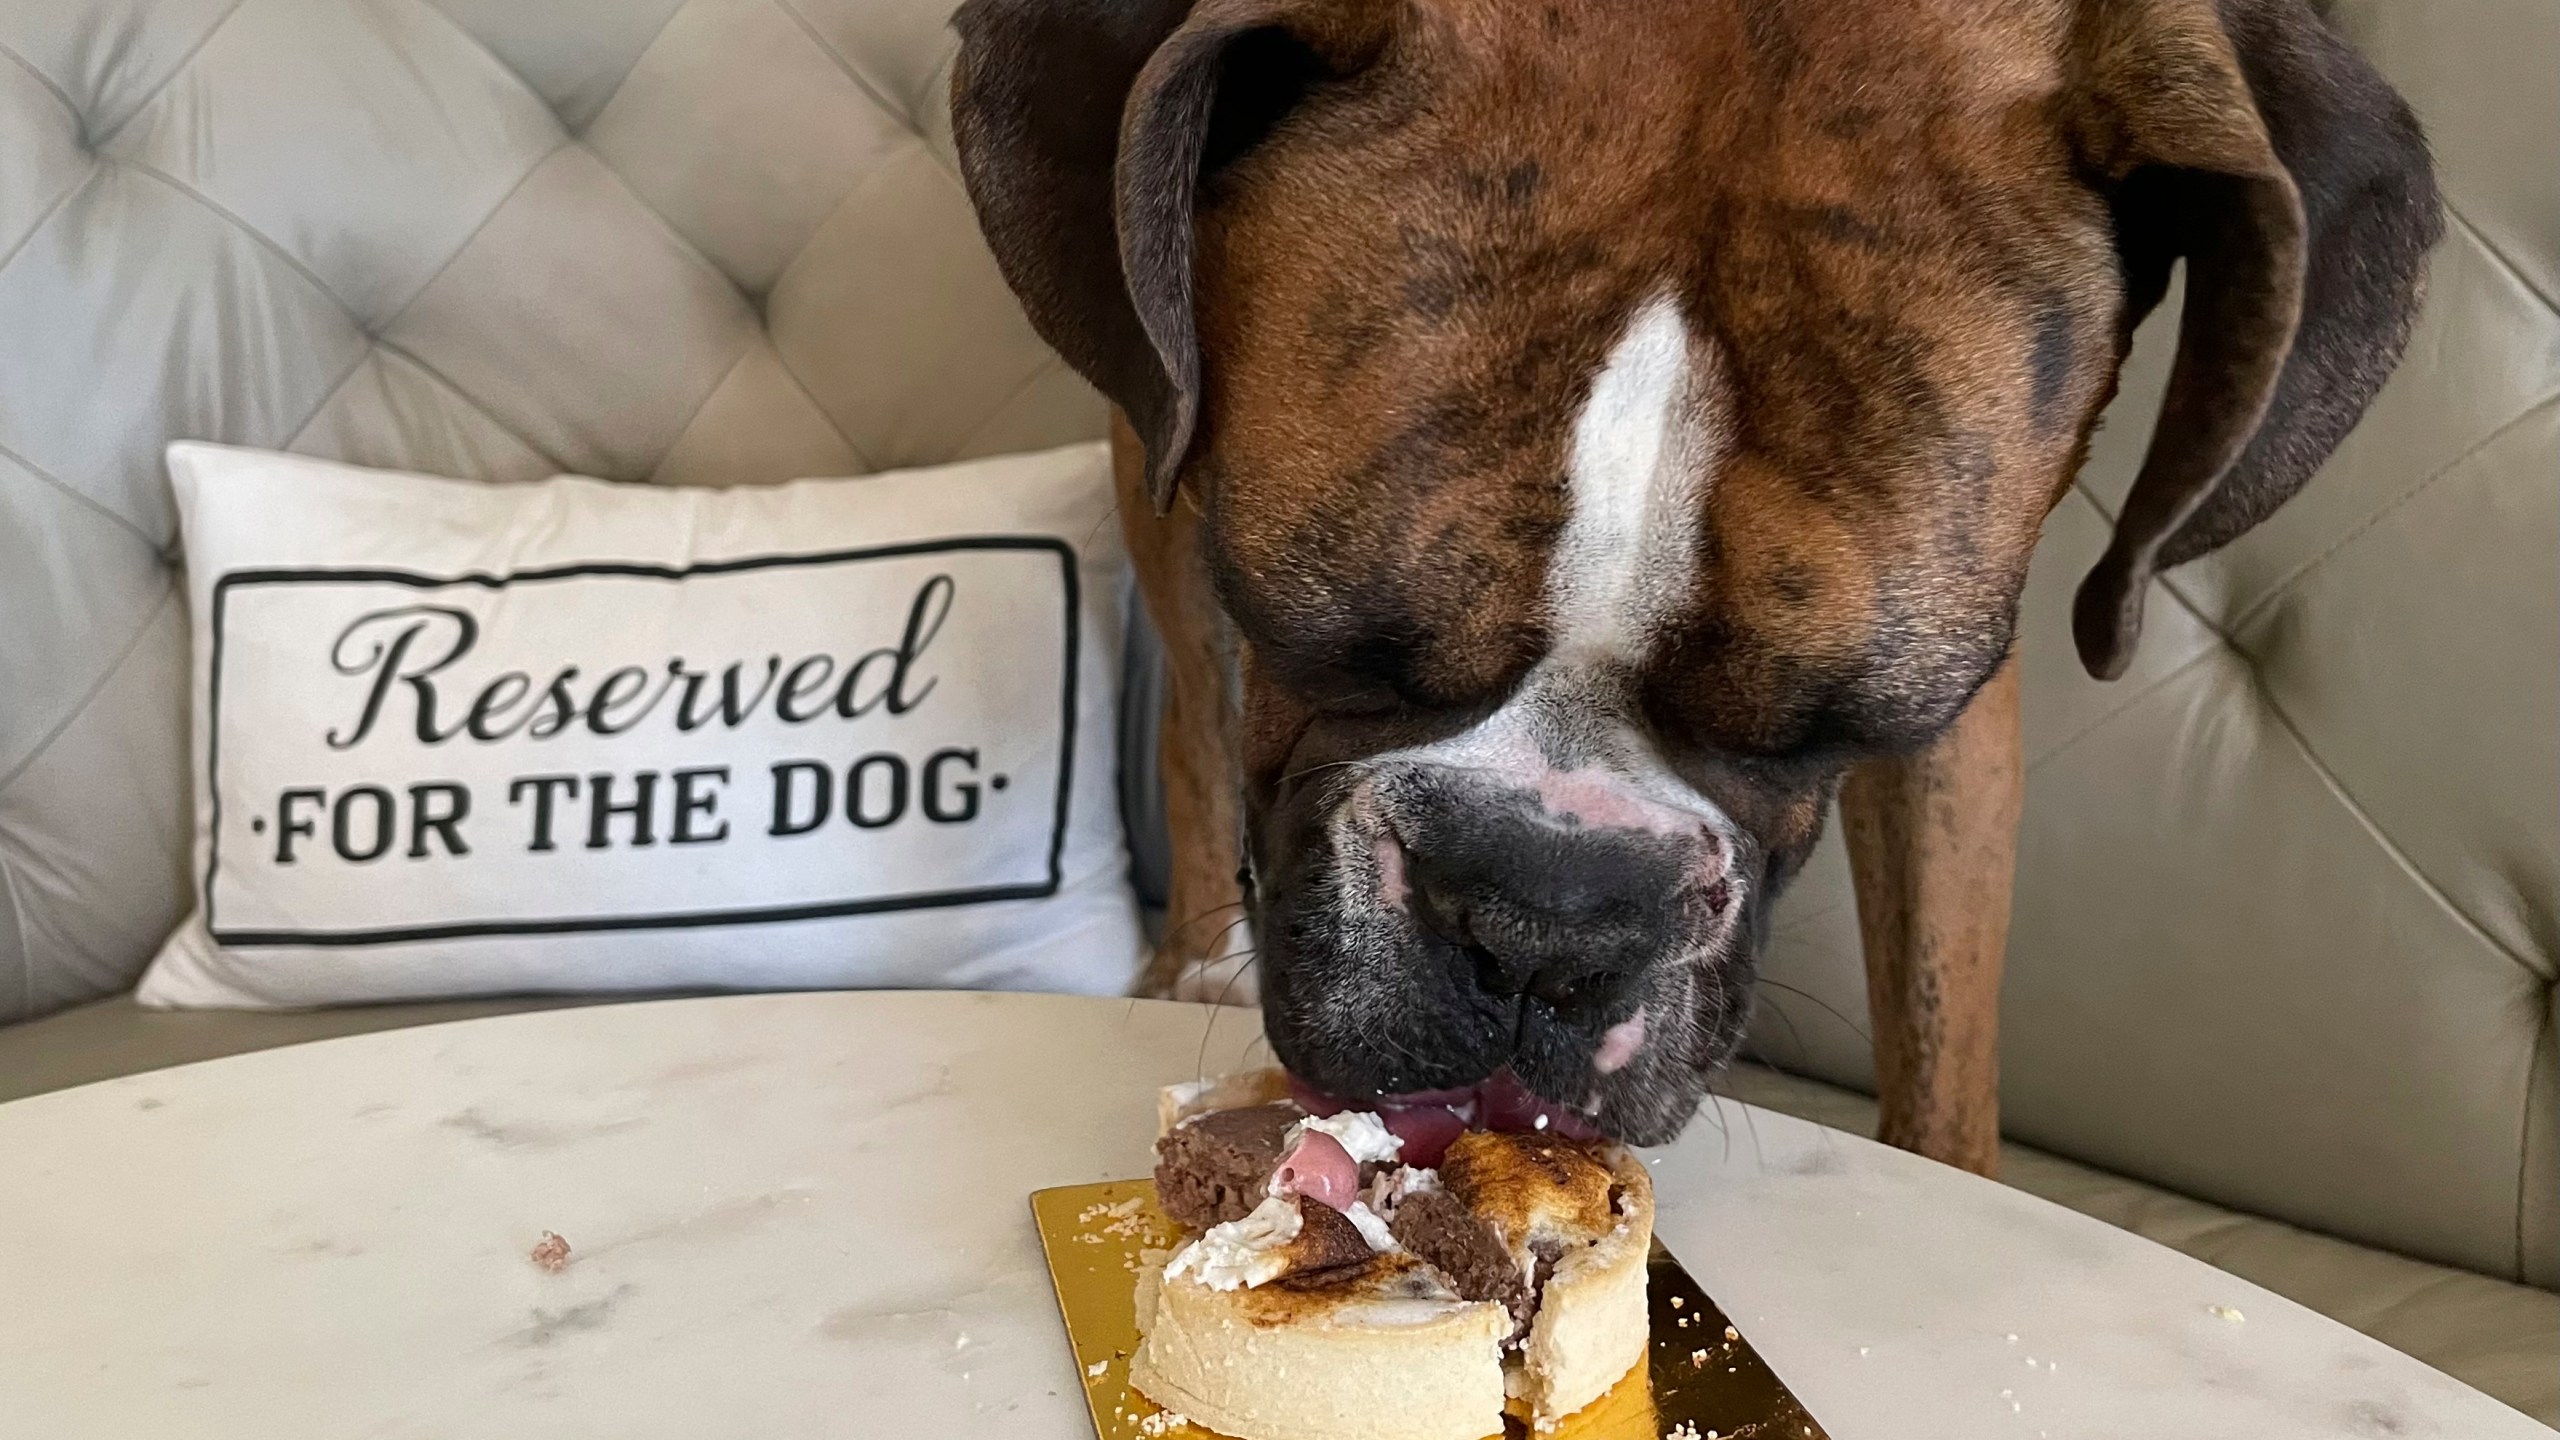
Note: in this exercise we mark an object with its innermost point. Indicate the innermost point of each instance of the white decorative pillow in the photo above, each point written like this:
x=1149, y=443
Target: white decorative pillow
x=455, y=738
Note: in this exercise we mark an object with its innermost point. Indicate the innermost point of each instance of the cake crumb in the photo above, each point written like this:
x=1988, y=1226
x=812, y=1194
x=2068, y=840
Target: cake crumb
x=2225, y=1312
x=1732, y=1334
x=1697, y=1359
x=1677, y=1303
x=1682, y=1431
x=1163, y=1422
x=1097, y=1368
x=550, y=1254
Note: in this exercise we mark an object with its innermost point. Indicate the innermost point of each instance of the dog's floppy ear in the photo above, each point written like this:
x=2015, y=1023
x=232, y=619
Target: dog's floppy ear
x=2246, y=138
x=1036, y=96
x=1084, y=127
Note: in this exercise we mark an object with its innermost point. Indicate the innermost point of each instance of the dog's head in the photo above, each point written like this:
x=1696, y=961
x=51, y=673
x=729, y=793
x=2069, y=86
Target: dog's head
x=1610, y=422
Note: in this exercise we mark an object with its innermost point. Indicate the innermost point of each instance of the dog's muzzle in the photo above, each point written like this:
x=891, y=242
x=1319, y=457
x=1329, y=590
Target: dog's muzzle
x=1430, y=927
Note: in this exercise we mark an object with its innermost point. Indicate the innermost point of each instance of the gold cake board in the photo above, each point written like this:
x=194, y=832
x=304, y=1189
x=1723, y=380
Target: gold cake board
x=1701, y=1378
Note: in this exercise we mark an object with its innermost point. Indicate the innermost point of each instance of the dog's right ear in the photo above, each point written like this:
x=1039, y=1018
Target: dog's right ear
x=1084, y=127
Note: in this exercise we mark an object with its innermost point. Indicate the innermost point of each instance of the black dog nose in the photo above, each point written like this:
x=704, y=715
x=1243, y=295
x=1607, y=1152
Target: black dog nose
x=1568, y=917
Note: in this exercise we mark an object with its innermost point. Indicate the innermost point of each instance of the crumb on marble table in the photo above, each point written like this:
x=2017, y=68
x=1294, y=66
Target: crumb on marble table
x=551, y=1253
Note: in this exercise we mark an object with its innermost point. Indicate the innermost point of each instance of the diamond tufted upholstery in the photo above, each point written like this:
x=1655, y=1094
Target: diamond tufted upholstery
x=692, y=241
x=2286, y=933
x=2288, y=911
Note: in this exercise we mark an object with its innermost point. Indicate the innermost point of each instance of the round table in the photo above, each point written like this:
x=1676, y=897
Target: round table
x=804, y=1215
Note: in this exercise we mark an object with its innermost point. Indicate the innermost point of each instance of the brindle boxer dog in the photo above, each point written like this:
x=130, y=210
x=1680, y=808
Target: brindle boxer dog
x=1609, y=431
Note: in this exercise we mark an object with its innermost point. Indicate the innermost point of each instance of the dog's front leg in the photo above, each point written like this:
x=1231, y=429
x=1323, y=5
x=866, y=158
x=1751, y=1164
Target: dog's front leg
x=1933, y=842
x=1204, y=913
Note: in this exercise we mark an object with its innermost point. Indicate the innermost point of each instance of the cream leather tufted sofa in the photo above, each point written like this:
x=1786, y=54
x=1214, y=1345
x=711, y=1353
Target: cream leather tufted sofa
x=2281, y=982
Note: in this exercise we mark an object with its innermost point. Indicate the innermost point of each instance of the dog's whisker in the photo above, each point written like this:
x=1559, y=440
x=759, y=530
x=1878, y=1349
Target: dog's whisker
x=1173, y=933
x=1854, y=1027
x=1200, y=1068
x=1759, y=1151
x=1110, y=516
x=1318, y=770
x=1220, y=939
x=1795, y=1036
x=1715, y=1112
x=1243, y=958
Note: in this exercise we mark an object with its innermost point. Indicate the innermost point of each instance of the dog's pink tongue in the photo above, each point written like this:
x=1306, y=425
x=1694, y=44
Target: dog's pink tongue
x=1508, y=1105
x=1426, y=1131
x=1427, y=1120
x=1314, y=1101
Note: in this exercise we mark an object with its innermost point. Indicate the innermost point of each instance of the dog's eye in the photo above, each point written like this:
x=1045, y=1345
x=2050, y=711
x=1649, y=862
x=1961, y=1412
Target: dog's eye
x=1341, y=693
x=1373, y=703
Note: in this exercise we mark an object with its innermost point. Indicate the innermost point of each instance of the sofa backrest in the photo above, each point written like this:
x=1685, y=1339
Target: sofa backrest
x=693, y=241
x=2285, y=932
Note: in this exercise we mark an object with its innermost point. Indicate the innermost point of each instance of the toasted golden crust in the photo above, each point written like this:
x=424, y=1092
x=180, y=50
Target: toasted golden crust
x=1328, y=1250
x=1382, y=1277
x=1531, y=1187
x=1592, y=1323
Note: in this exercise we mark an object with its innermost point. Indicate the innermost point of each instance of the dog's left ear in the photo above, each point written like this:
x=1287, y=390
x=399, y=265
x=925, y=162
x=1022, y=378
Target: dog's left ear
x=2246, y=138
x=1084, y=128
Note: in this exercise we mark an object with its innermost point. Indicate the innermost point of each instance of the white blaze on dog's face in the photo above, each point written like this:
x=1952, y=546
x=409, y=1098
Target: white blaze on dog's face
x=1643, y=453
x=1579, y=897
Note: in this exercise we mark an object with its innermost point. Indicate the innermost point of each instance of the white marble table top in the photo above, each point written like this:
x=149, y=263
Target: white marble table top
x=804, y=1215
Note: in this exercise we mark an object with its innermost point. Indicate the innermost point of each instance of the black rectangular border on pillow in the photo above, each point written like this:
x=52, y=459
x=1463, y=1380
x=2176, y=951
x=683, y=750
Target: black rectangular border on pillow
x=695, y=920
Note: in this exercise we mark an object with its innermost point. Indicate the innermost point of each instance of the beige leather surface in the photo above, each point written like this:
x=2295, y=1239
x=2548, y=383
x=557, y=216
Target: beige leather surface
x=698, y=241
x=2288, y=899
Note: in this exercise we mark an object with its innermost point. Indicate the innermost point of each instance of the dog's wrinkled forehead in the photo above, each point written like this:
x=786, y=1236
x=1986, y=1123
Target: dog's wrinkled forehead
x=1555, y=318
x=1644, y=447
x=1348, y=268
